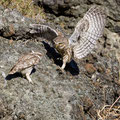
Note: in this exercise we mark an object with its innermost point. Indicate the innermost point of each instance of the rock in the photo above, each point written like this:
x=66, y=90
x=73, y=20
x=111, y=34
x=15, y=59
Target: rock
x=100, y=68
x=78, y=112
x=56, y=6
x=13, y=24
x=53, y=96
x=77, y=8
x=21, y=115
x=5, y=111
x=9, y=31
x=81, y=106
x=112, y=39
x=90, y=68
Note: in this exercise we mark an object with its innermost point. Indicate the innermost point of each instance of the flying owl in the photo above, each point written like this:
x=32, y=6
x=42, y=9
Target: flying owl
x=83, y=40
x=26, y=63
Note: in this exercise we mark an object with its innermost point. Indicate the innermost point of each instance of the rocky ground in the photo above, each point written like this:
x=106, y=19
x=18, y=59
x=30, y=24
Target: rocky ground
x=68, y=12
x=79, y=94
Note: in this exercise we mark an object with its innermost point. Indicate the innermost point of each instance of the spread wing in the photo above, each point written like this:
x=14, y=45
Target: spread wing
x=87, y=31
x=43, y=31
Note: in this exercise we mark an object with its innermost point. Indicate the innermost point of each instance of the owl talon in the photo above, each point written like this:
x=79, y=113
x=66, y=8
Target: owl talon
x=31, y=82
x=28, y=78
x=60, y=70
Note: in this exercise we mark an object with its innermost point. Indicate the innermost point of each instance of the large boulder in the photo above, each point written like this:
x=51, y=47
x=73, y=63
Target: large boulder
x=87, y=85
x=76, y=95
x=68, y=12
x=13, y=24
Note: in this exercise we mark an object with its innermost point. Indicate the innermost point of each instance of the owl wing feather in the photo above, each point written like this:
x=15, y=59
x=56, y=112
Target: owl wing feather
x=87, y=31
x=28, y=56
x=44, y=31
x=24, y=62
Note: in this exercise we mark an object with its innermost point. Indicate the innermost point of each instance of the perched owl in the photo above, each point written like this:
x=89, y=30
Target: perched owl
x=26, y=63
x=87, y=31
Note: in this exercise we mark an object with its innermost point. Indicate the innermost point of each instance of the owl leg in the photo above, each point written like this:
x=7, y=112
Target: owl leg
x=28, y=78
x=65, y=60
x=63, y=65
x=27, y=73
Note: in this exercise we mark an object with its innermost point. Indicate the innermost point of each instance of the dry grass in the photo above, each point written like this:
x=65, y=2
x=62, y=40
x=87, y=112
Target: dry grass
x=110, y=112
x=26, y=7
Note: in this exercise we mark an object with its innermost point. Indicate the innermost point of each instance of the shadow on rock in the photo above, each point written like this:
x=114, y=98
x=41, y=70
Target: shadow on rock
x=11, y=76
x=51, y=53
x=17, y=74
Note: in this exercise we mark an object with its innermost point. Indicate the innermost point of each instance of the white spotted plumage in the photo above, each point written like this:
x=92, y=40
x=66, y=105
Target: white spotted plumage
x=26, y=63
x=94, y=21
x=83, y=40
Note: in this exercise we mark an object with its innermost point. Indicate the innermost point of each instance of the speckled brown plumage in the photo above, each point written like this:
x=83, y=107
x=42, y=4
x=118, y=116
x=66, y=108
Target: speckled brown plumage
x=83, y=40
x=26, y=63
x=61, y=44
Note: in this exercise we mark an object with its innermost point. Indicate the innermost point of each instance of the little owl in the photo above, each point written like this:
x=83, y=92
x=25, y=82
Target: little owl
x=83, y=40
x=26, y=63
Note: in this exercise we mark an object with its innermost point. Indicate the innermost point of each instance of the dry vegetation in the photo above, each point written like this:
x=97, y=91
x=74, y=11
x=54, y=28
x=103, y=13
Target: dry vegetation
x=110, y=112
x=26, y=7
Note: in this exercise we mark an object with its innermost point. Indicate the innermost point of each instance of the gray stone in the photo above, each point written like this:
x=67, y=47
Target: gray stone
x=77, y=8
x=75, y=95
x=13, y=24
